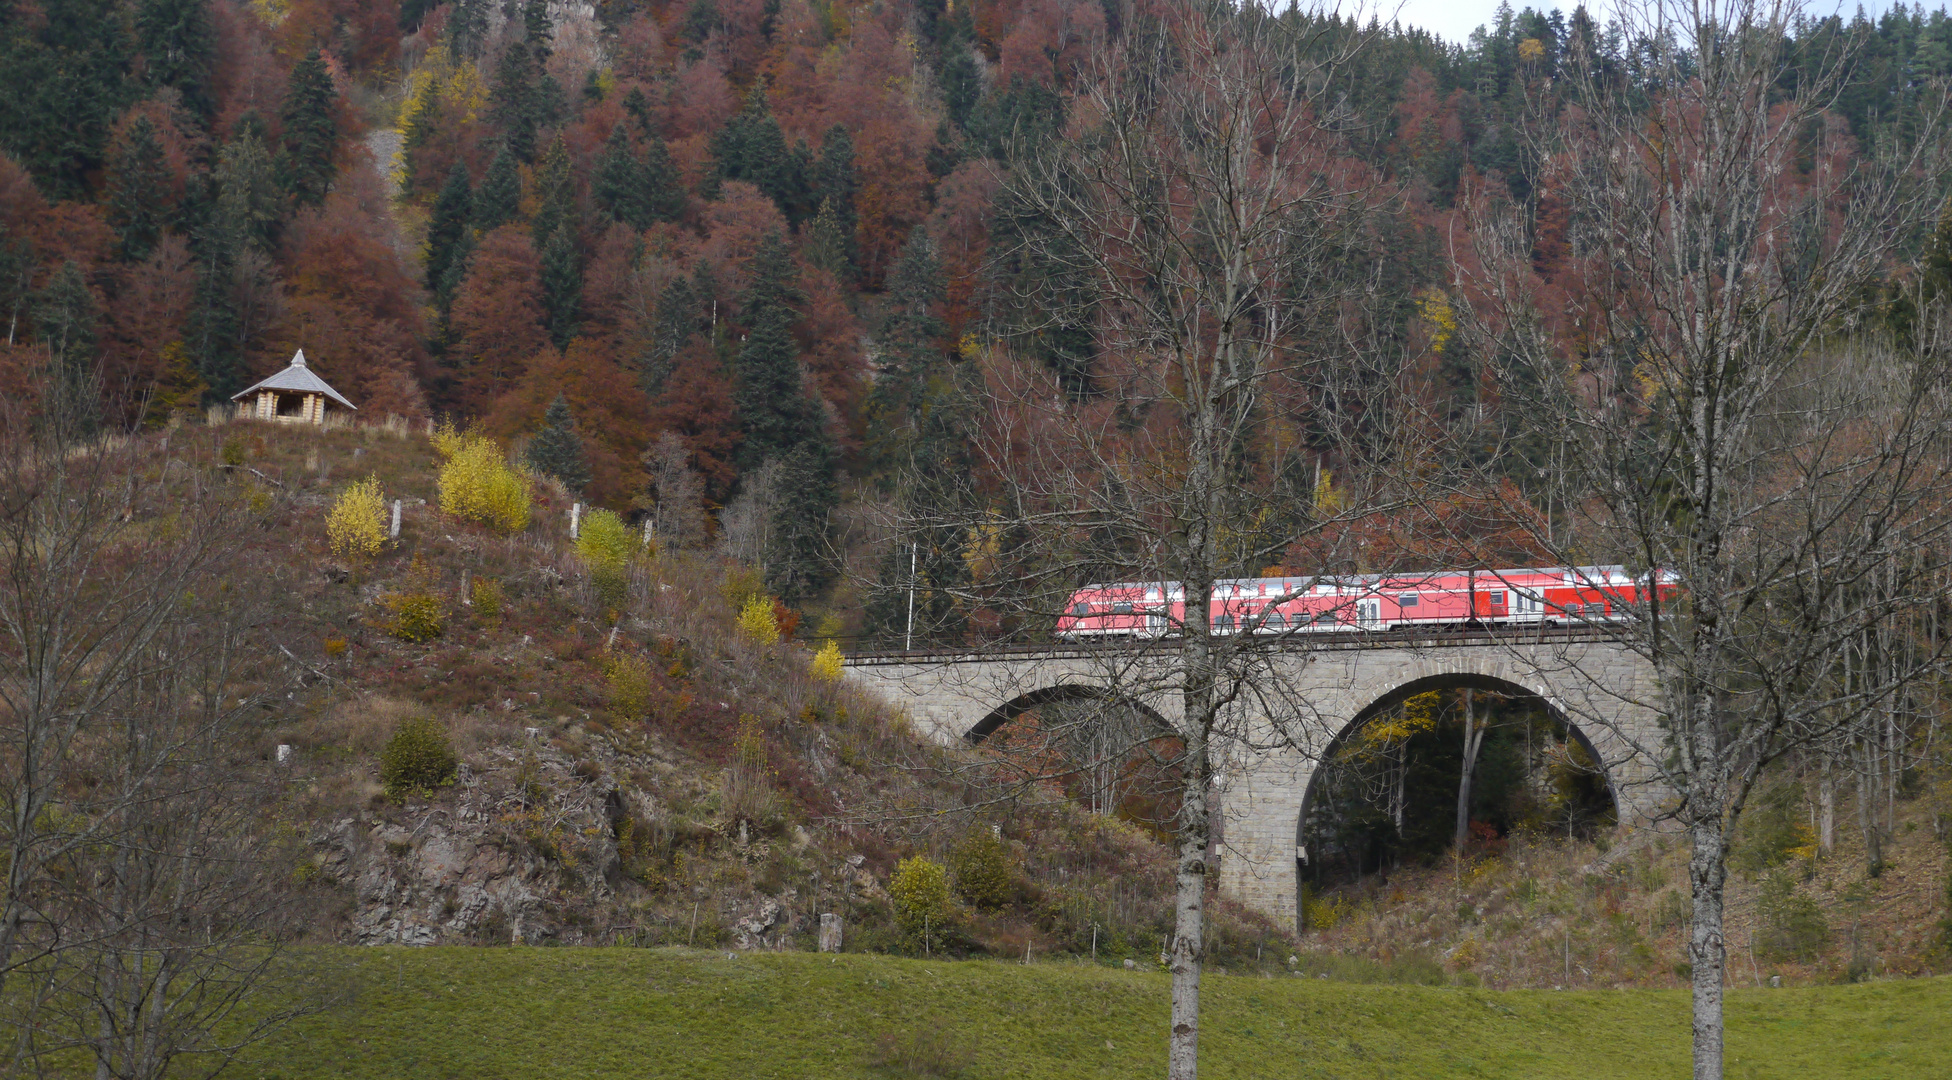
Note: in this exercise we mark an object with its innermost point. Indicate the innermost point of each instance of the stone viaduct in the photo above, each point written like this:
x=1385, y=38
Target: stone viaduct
x=1305, y=698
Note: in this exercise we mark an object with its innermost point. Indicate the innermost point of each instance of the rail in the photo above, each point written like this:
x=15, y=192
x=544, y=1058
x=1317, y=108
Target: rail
x=1306, y=642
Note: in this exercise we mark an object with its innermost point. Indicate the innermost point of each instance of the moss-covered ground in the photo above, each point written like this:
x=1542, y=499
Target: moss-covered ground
x=504, y=1014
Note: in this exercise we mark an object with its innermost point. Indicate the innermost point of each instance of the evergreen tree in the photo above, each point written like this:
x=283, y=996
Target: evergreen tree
x=65, y=313
x=138, y=202
x=913, y=330
x=16, y=283
x=447, y=225
x=751, y=147
x=555, y=182
x=638, y=108
x=664, y=189
x=835, y=183
x=672, y=324
x=701, y=18
x=797, y=563
x=179, y=44
x=467, y=24
x=499, y=199
x=562, y=285
x=619, y=188
x=538, y=31
x=825, y=246
x=769, y=396
x=64, y=68
x=311, y=134
x=962, y=83
x=248, y=210
x=556, y=450
x=523, y=97
x=213, y=323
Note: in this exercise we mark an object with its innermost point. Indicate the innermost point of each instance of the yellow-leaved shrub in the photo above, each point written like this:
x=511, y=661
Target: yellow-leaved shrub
x=606, y=545
x=756, y=620
x=826, y=662
x=356, y=526
x=478, y=484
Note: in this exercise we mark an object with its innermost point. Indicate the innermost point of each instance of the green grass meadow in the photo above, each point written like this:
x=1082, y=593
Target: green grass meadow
x=509, y=1013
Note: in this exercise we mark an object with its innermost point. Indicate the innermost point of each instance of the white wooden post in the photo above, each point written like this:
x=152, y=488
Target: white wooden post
x=396, y=520
x=575, y=513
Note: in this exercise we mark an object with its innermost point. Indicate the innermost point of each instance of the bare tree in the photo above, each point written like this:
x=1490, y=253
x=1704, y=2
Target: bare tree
x=1201, y=200
x=143, y=902
x=1717, y=409
x=676, y=499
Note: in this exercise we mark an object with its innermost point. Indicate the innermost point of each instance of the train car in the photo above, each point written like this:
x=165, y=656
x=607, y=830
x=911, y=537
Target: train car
x=1567, y=595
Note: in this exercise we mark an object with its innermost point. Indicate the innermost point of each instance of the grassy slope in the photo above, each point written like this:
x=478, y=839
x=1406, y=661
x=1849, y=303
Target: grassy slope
x=503, y=1014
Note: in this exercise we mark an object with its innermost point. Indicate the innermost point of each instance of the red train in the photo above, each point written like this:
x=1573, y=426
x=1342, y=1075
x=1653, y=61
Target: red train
x=1552, y=596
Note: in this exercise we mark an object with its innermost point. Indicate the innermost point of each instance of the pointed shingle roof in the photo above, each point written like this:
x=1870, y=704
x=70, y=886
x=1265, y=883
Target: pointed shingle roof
x=297, y=378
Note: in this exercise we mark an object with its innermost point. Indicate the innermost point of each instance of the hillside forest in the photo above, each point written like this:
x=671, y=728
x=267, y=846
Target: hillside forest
x=754, y=241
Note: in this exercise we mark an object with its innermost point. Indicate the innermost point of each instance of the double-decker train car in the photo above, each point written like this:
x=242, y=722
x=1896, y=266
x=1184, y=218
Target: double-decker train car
x=1564, y=595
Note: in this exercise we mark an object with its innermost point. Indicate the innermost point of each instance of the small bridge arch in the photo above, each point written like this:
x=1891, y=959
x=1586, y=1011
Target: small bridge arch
x=1057, y=693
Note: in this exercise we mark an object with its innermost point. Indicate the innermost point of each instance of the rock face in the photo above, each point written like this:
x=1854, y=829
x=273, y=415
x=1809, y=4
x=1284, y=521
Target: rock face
x=503, y=862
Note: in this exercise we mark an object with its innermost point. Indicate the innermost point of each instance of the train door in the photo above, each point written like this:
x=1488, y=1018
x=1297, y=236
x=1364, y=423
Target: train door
x=1369, y=614
x=1524, y=605
x=1155, y=614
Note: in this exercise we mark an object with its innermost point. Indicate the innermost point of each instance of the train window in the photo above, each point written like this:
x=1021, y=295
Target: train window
x=1498, y=598
x=1275, y=621
x=1123, y=607
x=1223, y=622
x=1080, y=609
x=1408, y=599
x=1595, y=610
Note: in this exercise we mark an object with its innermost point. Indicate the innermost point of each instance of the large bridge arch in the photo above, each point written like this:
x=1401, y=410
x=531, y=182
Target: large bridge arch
x=1474, y=680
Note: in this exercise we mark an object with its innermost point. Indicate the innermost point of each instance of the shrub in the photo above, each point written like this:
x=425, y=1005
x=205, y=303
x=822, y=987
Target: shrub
x=447, y=439
x=631, y=683
x=980, y=865
x=741, y=584
x=478, y=484
x=606, y=545
x=417, y=759
x=1791, y=926
x=356, y=527
x=757, y=622
x=415, y=614
x=920, y=891
x=748, y=786
x=486, y=595
x=929, y=1051
x=826, y=663
x=1772, y=832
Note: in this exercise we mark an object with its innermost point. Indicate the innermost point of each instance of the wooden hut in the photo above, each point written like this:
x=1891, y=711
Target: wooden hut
x=295, y=395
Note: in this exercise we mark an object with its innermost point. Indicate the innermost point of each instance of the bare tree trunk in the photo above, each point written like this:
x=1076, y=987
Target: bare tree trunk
x=1826, y=805
x=1189, y=921
x=1473, y=737
x=1707, y=949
